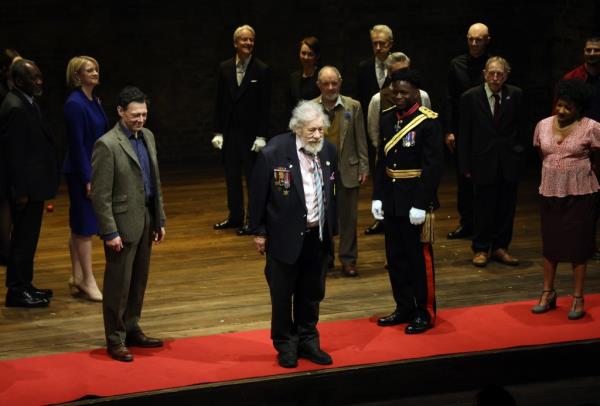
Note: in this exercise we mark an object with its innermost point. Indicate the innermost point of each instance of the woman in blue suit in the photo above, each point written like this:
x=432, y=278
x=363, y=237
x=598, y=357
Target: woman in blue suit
x=85, y=122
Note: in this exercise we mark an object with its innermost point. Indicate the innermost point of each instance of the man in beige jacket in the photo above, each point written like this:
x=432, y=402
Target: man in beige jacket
x=347, y=133
x=128, y=203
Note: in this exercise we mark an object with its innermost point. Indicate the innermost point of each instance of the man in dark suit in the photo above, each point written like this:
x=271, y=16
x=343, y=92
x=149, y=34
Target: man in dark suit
x=128, y=203
x=465, y=71
x=409, y=167
x=241, y=120
x=491, y=153
x=293, y=218
x=372, y=73
x=30, y=173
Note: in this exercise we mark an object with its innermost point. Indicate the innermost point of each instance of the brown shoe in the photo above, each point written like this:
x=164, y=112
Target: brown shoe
x=480, y=259
x=501, y=255
x=141, y=340
x=350, y=270
x=120, y=353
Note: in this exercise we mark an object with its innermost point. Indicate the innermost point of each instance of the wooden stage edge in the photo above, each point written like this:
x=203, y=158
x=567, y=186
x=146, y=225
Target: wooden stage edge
x=435, y=378
x=206, y=282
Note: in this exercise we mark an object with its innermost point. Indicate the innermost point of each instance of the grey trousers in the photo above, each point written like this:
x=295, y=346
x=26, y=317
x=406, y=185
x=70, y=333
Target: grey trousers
x=125, y=279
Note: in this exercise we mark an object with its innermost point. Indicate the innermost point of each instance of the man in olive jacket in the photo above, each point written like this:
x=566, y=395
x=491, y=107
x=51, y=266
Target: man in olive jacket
x=128, y=203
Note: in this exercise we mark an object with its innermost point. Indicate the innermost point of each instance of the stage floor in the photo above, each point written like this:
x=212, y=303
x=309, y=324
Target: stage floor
x=205, y=282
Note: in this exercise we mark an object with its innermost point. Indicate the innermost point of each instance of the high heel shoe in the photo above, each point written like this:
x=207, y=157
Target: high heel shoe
x=550, y=302
x=576, y=314
x=73, y=287
x=93, y=295
x=80, y=291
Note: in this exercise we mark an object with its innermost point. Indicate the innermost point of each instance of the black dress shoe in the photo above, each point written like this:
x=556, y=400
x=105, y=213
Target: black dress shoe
x=43, y=293
x=120, y=353
x=227, y=224
x=243, y=230
x=418, y=325
x=23, y=298
x=375, y=228
x=316, y=355
x=287, y=359
x=141, y=340
x=460, y=232
x=393, y=319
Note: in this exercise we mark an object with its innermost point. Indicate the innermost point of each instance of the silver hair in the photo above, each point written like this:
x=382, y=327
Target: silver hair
x=238, y=31
x=306, y=111
x=501, y=61
x=396, y=57
x=384, y=29
x=333, y=68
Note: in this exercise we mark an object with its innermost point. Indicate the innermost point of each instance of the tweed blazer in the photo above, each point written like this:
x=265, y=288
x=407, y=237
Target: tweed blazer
x=118, y=185
x=352, y=154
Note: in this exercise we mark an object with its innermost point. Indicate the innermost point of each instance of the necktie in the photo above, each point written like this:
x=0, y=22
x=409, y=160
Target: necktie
x=239, y=67
x=318, y=183
x=380, y=73
x=496, y=110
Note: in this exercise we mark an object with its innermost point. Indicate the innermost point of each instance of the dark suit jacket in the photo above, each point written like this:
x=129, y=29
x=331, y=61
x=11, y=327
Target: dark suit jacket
x=485, y=151
x=279, y=213
x=243, y=111
x=427, y=154
x=28, y=161
x=366, y=83
x=297, y=93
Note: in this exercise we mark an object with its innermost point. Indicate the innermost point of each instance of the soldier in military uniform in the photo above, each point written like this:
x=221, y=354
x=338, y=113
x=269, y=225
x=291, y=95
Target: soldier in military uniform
x=406, y=179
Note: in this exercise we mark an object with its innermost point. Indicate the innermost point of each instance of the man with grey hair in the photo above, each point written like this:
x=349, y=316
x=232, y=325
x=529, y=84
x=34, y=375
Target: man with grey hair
x=347, y=133
x=293, y=219
x=372, y=74
x=241, y=120
x=491, y=152
x=384, y=99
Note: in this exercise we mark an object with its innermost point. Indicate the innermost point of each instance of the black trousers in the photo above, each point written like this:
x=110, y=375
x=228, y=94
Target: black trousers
x=464, y=197
x=27, y=221
x=495, y=206
x=5, y=226
x=296, y=292
x=410, y=268
x=239, y=160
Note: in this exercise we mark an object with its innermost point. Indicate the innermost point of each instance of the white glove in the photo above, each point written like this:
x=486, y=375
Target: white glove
x=416, y=216
x=377, y=209
x=259, y=143
x=217, y=141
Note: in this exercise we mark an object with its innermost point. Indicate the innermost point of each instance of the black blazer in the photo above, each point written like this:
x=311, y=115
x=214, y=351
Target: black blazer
x=426, y=153
x=297, y=92
x=279, y=212
x=243, y=110
x=485, y=151
x=28, y=161
x=366, y=83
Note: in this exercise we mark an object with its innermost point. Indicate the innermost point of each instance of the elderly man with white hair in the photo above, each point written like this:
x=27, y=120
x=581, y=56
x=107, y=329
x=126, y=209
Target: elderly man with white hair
x=293, y=218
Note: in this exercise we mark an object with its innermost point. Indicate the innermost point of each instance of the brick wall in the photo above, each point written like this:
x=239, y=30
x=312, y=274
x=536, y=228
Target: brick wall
x=171, y=49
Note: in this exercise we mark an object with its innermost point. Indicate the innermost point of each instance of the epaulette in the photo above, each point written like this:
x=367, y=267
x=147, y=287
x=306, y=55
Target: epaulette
x=428, y=112
x=388, y=109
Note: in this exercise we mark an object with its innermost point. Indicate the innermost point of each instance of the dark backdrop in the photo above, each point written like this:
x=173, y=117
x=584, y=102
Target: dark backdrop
x=171, y=49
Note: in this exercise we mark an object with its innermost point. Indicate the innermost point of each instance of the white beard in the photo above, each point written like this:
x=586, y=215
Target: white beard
x=313, y=147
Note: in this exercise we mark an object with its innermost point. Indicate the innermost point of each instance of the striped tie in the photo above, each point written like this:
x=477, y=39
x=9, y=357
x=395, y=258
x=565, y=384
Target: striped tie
x=318, y=181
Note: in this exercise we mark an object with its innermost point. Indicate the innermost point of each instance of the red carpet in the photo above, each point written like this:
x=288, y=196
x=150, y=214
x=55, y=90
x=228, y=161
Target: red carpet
x=66, y=377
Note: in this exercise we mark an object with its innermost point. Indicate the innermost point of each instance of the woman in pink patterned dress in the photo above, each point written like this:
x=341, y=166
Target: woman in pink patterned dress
x=568, y=189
